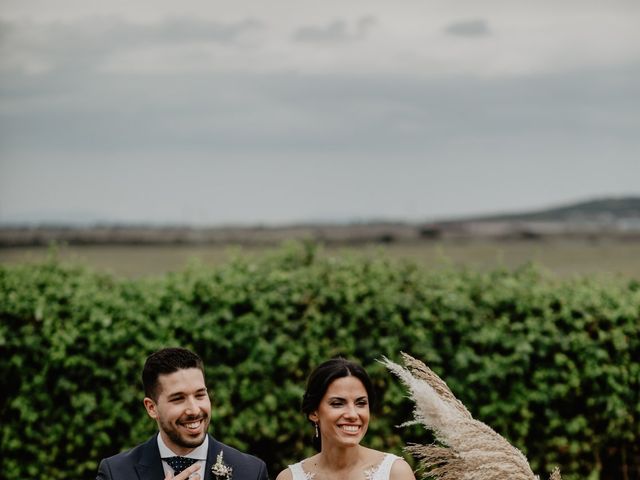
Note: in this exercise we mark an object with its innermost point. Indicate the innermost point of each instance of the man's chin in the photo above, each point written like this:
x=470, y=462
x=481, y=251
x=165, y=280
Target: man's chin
x=194, y=440
x=188, y=441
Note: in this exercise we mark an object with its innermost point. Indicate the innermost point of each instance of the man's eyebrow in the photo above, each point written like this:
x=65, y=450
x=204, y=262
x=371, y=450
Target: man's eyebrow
x=175, y=395
x=180, y=394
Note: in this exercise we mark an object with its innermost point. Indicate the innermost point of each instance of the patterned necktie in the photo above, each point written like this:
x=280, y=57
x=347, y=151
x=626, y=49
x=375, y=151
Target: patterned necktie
x=179, y=463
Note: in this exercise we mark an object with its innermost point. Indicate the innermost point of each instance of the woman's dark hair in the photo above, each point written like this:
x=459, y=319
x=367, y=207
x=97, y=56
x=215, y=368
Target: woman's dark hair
x=320, y=379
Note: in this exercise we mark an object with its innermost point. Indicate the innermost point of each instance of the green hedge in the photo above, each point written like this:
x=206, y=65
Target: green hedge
x=552, y=365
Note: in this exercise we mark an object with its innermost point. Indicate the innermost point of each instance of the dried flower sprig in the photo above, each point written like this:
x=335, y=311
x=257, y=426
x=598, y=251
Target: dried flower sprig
x=469, y=449
x=220, y=470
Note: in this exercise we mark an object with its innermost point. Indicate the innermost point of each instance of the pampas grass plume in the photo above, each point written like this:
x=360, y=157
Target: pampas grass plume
x=468, y=449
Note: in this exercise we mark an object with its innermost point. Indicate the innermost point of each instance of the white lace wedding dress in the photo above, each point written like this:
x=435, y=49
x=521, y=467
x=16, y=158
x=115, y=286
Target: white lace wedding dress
x=379, y=472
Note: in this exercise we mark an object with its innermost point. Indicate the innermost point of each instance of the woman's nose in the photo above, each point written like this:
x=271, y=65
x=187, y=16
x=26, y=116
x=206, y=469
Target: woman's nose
x=351, y=411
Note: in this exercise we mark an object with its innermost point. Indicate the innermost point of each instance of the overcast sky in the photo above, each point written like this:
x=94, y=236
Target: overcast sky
x=211, y=112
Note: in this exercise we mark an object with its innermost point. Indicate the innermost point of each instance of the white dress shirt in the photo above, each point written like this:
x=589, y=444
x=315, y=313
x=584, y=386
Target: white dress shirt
x=199, y=453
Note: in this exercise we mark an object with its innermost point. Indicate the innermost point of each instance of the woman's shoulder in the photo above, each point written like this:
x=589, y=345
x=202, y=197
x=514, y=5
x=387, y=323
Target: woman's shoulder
x=390, y=466
x=374, y=456
x=400, y=470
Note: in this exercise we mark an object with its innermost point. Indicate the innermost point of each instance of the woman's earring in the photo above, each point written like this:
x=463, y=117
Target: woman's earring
x=316, y=425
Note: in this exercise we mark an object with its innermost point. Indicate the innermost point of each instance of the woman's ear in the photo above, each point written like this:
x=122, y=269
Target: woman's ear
x=313, y=416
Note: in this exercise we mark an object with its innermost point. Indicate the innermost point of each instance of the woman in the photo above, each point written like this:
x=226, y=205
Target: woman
x=337, y=402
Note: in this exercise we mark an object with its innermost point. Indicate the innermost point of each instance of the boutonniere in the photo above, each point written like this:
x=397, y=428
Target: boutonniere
x=220, y=470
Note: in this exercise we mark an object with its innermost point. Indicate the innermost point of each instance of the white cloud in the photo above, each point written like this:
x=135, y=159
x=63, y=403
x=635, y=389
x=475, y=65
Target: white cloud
x=409, y=38
x=88, y=44
x=469, y=28
x=337, y=31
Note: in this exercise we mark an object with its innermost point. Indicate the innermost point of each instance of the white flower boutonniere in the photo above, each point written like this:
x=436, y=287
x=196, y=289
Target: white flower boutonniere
x=220, y=470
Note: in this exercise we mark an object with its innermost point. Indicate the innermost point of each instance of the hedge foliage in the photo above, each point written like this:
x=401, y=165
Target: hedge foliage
x=552, y=365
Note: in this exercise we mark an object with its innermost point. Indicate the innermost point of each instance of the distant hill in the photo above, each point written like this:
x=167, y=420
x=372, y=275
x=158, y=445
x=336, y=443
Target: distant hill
x=605, y=209
x=606, y=217
x=617, y=218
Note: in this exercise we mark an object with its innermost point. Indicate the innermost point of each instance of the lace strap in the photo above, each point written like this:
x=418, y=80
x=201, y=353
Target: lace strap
x=383, y=470
x=298, y=473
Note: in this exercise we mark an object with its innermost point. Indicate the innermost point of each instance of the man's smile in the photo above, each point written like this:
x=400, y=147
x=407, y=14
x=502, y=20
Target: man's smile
x=193, y=424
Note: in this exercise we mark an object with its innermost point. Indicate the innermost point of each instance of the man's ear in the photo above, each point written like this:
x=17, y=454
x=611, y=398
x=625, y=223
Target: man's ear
x=150, y=405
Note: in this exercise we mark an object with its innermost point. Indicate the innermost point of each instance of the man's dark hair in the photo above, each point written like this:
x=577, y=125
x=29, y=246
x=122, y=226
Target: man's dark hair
x=164, y=362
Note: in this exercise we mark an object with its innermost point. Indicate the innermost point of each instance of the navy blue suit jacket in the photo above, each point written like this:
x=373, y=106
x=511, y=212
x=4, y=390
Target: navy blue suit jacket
x=143, y=463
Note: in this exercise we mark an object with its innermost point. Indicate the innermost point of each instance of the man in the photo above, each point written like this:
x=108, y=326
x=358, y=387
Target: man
x=176, y=397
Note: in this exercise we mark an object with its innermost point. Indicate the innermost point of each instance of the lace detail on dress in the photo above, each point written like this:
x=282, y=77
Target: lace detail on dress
x=377, y=472
x=382, y=470
x=298, y=472
x=369, y=473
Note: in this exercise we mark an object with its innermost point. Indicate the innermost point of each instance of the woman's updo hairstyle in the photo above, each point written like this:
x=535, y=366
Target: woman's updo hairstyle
x=320, y=379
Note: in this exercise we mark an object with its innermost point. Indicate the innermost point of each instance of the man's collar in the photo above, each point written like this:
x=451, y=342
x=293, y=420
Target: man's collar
x=199, y=453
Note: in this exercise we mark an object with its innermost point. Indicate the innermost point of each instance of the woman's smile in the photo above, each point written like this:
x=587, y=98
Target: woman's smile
x=350, y=429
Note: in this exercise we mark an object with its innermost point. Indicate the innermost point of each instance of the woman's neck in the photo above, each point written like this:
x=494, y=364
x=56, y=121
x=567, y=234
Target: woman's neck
x=335, y=458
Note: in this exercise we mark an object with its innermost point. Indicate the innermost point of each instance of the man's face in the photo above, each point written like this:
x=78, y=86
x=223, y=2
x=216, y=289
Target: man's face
x=182, y=409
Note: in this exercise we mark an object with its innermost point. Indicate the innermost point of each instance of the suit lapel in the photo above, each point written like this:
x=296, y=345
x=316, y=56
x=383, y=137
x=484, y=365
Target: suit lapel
x=149, y=466
x=212, y=453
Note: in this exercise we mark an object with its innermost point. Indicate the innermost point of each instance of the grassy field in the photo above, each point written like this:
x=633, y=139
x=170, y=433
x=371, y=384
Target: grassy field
x=562, y=257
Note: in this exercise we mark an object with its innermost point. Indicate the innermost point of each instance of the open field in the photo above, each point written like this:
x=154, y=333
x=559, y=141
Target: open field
x=564, y=257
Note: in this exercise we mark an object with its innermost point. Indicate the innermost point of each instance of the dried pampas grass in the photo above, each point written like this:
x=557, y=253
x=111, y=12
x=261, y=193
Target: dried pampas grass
x=469, y=450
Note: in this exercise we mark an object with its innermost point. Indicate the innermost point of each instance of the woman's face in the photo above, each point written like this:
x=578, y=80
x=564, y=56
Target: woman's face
x=343, y=413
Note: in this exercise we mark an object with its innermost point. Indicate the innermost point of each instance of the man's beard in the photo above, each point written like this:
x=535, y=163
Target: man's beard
x=184, y=441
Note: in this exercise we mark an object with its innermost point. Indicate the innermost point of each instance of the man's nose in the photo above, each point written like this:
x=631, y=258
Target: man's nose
x=192, y=405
